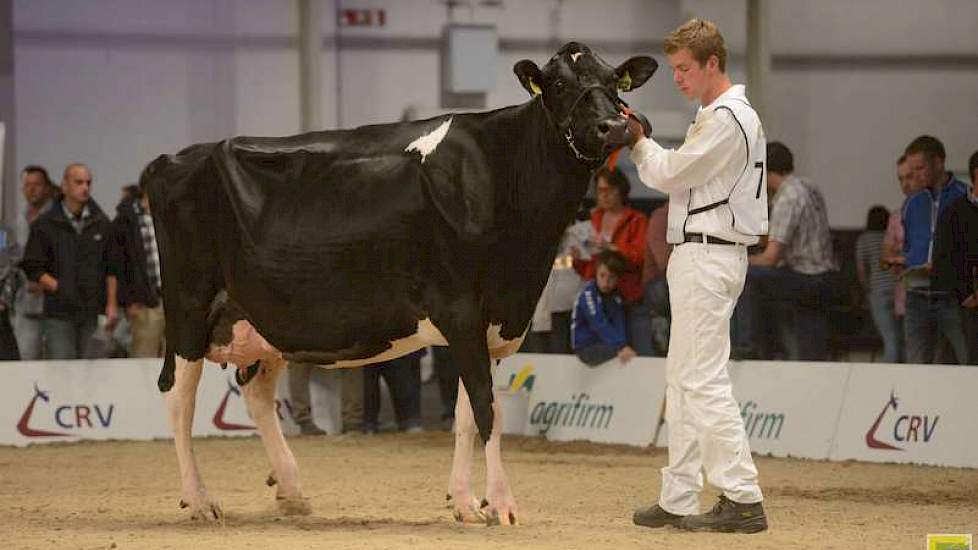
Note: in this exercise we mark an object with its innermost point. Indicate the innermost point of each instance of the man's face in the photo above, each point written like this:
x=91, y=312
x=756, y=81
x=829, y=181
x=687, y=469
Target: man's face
x=690, y=77
x=34, y=188
x=905, y=175
x=926, y=172
x=607, y=280
x=77, y=184
x=607, y=195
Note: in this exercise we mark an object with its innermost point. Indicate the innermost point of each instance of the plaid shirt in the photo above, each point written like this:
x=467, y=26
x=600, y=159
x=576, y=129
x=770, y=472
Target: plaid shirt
x=800, y=222
x=152, y=252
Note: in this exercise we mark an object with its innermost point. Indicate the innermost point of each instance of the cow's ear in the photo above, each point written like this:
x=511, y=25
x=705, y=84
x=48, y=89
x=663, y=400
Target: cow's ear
x=634, y=72
x=529, y=75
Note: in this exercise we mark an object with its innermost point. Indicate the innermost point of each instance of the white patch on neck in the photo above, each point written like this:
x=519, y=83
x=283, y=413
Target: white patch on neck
x=427, y=143
x=575, y=55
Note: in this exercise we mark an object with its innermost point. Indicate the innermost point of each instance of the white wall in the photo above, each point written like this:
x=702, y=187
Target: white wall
x=116, y=82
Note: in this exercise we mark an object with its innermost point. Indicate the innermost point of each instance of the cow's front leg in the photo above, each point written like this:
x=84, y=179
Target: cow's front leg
x=260, y=397
x=180, y=402
x=466, y=506
x=502, y=505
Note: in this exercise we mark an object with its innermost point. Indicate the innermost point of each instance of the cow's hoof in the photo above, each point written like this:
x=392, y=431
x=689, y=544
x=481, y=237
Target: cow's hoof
x=293, y=506
x=205, y=509
x=505, y=514
x=469, y=512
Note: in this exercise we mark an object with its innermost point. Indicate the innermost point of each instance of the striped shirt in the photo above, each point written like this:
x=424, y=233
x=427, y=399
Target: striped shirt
x=799, y=222
x=869, y=245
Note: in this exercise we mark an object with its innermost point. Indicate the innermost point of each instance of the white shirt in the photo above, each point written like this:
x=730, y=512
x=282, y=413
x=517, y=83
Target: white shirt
x=701, y=172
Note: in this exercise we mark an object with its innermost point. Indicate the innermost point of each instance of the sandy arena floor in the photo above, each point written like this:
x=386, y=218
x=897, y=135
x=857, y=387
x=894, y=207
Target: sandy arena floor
x=388, y=491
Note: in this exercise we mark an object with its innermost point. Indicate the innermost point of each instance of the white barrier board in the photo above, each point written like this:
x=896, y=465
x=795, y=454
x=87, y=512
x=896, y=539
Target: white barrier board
x=910, y=413
x=567, y=400
x=48, y=401
x=789, y=409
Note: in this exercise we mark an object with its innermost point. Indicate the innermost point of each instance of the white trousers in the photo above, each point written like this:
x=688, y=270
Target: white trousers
x=706, y=431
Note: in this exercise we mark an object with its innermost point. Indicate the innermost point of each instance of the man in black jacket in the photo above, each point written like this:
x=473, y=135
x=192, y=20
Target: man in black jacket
x=139, y=275
x=70, y=253
x=956, y=258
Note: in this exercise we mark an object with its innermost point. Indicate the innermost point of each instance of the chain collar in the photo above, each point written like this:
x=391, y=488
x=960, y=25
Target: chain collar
x=566, y=122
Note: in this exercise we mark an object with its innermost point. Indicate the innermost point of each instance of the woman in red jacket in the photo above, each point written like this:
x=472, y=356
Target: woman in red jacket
x=620, y=228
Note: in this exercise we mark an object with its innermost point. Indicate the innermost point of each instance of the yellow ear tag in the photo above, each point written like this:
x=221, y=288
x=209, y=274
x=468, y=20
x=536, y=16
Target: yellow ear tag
x=536, y=89
x=625, y=82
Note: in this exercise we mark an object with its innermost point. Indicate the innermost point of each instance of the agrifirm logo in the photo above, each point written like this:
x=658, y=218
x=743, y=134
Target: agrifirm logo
x=233, y=399
x=579, y=412
x=948, y=542
x=760, y=424
x=41, y=414
x=903, y=428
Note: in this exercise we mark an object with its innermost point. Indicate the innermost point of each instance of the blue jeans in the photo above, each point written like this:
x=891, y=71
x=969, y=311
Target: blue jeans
x=889, y=326
x=596, y=354
x=930, y=315
x=782, y=304
x=647, y=321
x=29, y=330
x=69, y=339
x=403, y=377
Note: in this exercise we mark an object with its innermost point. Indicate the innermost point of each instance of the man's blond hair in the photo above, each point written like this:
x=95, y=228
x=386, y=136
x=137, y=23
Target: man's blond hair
x=701, y=38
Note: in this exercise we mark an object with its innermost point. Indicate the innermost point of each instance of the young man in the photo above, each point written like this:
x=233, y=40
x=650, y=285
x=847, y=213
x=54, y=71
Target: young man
x=598, y=325
x=932, y=307
x=717, y=206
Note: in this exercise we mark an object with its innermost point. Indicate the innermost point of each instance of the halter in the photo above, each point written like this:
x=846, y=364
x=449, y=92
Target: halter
x=566, y=121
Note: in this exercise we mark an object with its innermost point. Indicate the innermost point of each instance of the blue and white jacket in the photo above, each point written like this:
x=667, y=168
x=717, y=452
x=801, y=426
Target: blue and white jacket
x=920, y=215
x=598, y=318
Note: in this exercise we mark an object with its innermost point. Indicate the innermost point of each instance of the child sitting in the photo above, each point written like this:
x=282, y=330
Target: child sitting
x=598, y=326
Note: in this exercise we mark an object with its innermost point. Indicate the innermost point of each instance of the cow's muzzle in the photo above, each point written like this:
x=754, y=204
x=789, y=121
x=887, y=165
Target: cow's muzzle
x=614, y=131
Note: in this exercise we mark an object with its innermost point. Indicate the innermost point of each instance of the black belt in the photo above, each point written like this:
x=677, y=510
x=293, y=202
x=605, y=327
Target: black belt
x=706, y=239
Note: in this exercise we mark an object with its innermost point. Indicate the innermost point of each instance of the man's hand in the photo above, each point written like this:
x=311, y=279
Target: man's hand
x=971, y=302
x=111, y=316
x=48, y=283
x=626, y=354
x=638, y=127
x=34, y=288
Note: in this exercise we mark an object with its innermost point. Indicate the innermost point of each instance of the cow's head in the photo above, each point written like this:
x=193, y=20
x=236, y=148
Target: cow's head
x=580, y=94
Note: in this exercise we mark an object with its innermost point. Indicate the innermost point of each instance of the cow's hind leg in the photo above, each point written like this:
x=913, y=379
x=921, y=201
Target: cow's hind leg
x=180, y=401
x=260, y=397
x=466, y=506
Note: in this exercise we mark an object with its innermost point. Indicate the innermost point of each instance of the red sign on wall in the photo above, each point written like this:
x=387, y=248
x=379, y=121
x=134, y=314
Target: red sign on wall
x=362, y=18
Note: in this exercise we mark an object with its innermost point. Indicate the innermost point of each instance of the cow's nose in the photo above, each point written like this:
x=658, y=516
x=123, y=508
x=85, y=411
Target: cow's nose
x=613, y=131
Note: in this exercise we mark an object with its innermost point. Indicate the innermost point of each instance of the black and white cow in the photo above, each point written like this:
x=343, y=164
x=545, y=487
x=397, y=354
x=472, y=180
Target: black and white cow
x=343, y=248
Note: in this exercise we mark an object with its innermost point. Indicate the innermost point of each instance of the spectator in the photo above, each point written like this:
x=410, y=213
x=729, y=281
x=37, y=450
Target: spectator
x=70, y=254
x=620, y=228
x=446, y=372
x=139, y=275
x=956, y=259
x=879, y=284
x=550, y=329
x=299, y=380
x=598, y=326
x=403, y=377
x=791, y=281
x=892, y=255
x=932, y=307
x=655, y=299
x=9, y=281
x=28, y=302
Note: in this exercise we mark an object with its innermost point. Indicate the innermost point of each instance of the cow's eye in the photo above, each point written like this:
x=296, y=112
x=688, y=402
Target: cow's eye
x=559, y=85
